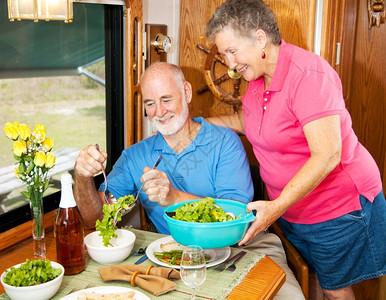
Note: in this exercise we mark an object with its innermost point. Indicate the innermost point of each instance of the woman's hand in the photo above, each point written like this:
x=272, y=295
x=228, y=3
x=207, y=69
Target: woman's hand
x=267, y=212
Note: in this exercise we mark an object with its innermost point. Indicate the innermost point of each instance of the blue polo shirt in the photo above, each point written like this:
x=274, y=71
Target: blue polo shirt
x=214, y=165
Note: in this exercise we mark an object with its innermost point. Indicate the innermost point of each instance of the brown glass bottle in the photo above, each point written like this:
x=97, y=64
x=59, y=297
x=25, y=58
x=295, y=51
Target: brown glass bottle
x=69, y=231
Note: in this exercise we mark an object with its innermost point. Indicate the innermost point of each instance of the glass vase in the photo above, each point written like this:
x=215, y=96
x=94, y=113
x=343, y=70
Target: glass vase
x=37, y=216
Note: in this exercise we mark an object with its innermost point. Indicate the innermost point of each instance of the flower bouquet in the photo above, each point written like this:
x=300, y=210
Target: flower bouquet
x=31, y=150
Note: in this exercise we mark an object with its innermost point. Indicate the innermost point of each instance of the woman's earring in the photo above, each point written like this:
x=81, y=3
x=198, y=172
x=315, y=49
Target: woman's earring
x=263, y=56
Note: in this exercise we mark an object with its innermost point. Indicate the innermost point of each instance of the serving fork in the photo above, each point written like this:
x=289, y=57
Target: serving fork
x=107, y=197
x=131, y=205
x=232, y=267
x=154, y=167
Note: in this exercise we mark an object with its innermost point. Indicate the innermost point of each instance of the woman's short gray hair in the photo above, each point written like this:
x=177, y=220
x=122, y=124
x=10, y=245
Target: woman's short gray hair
x=244, y=17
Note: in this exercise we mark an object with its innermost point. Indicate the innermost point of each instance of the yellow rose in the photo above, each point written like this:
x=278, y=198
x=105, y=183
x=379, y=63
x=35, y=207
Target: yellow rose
x=50, y=160
x=19, y=148
x=24, y=131
x=40, y=127
x=11, y=130
x=40, y=159
x=48, y=144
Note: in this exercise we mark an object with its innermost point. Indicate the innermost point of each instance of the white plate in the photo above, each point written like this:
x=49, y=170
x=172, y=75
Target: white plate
x=217, y=256
x=107, y=290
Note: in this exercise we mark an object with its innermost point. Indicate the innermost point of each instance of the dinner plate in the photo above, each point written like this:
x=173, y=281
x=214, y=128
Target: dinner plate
x=106, y=290
x=217, y=256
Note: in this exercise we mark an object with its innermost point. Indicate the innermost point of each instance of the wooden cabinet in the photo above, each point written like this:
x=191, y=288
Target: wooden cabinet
x=361, y=67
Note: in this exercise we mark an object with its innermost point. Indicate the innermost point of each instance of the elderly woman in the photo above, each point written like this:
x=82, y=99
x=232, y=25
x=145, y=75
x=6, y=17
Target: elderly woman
x=324, y=186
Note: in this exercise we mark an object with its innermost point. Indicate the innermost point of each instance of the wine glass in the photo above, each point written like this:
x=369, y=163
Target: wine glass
x=193, y=268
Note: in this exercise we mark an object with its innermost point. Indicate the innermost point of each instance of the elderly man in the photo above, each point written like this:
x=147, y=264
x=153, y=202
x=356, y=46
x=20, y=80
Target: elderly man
x=199, y=159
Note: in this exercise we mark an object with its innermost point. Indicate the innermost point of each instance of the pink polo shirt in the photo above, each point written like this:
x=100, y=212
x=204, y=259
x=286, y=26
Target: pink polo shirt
x=305, y=88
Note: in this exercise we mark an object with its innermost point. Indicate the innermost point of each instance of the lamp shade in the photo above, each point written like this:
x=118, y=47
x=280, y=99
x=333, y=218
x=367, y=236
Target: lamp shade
x=40, y=10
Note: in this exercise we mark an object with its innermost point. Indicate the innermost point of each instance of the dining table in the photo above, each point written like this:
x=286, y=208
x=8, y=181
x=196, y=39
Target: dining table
x=256, y=276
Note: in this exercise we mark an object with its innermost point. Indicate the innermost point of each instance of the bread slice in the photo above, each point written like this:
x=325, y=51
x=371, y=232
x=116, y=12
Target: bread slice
x=114, y=296
x=171, y=246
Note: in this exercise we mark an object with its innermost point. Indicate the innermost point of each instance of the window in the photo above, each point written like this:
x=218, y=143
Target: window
x=68, y=77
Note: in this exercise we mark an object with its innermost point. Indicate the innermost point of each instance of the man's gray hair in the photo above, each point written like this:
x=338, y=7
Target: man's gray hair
x=164, y=67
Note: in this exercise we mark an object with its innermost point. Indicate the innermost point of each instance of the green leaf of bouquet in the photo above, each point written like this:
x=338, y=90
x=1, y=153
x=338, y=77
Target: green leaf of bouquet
x=30, y=167
x=26, y=194
x=21, y=168
x=17, y=158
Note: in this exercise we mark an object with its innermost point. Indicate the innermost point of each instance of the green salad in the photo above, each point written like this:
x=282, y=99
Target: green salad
x=111, y=216
x=32, y=272
x=173, y=257
x=203, y=211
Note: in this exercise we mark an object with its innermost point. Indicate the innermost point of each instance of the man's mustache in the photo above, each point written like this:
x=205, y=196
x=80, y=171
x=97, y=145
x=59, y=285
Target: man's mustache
x=164, y=118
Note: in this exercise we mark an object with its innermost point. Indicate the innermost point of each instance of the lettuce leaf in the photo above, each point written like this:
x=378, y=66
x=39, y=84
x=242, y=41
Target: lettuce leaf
x=112, y=215
x=203, y=211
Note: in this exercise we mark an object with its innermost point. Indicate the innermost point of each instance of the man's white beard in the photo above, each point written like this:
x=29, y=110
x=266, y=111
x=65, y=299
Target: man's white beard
x=177, y=122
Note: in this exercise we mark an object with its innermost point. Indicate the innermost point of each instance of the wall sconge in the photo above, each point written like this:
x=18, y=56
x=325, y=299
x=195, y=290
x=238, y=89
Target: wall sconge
x=41, y=10
x=377, y=12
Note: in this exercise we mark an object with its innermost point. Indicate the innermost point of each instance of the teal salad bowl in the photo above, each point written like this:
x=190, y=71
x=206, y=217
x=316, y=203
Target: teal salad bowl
x=211, y=235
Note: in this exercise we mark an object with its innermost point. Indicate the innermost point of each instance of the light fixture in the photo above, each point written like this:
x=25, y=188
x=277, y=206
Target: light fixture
x=40, y=10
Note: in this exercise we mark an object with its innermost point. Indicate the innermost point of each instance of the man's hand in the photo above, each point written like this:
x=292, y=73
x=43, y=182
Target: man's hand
x=89, y=161
x=157, y=186
x=88, y=200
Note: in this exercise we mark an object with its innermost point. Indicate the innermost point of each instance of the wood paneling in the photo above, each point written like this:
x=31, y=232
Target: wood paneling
x=296, y=21
x=133, y=69
x=331, y=33
x=364, y=80
x=361, y=68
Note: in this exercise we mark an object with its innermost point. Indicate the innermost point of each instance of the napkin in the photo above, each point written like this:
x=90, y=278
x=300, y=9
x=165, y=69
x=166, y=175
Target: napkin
x=156, y=282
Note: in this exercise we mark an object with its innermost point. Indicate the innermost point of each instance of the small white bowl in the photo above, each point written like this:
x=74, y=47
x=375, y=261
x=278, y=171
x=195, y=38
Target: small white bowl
x=42, y=291
x=122, y=247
